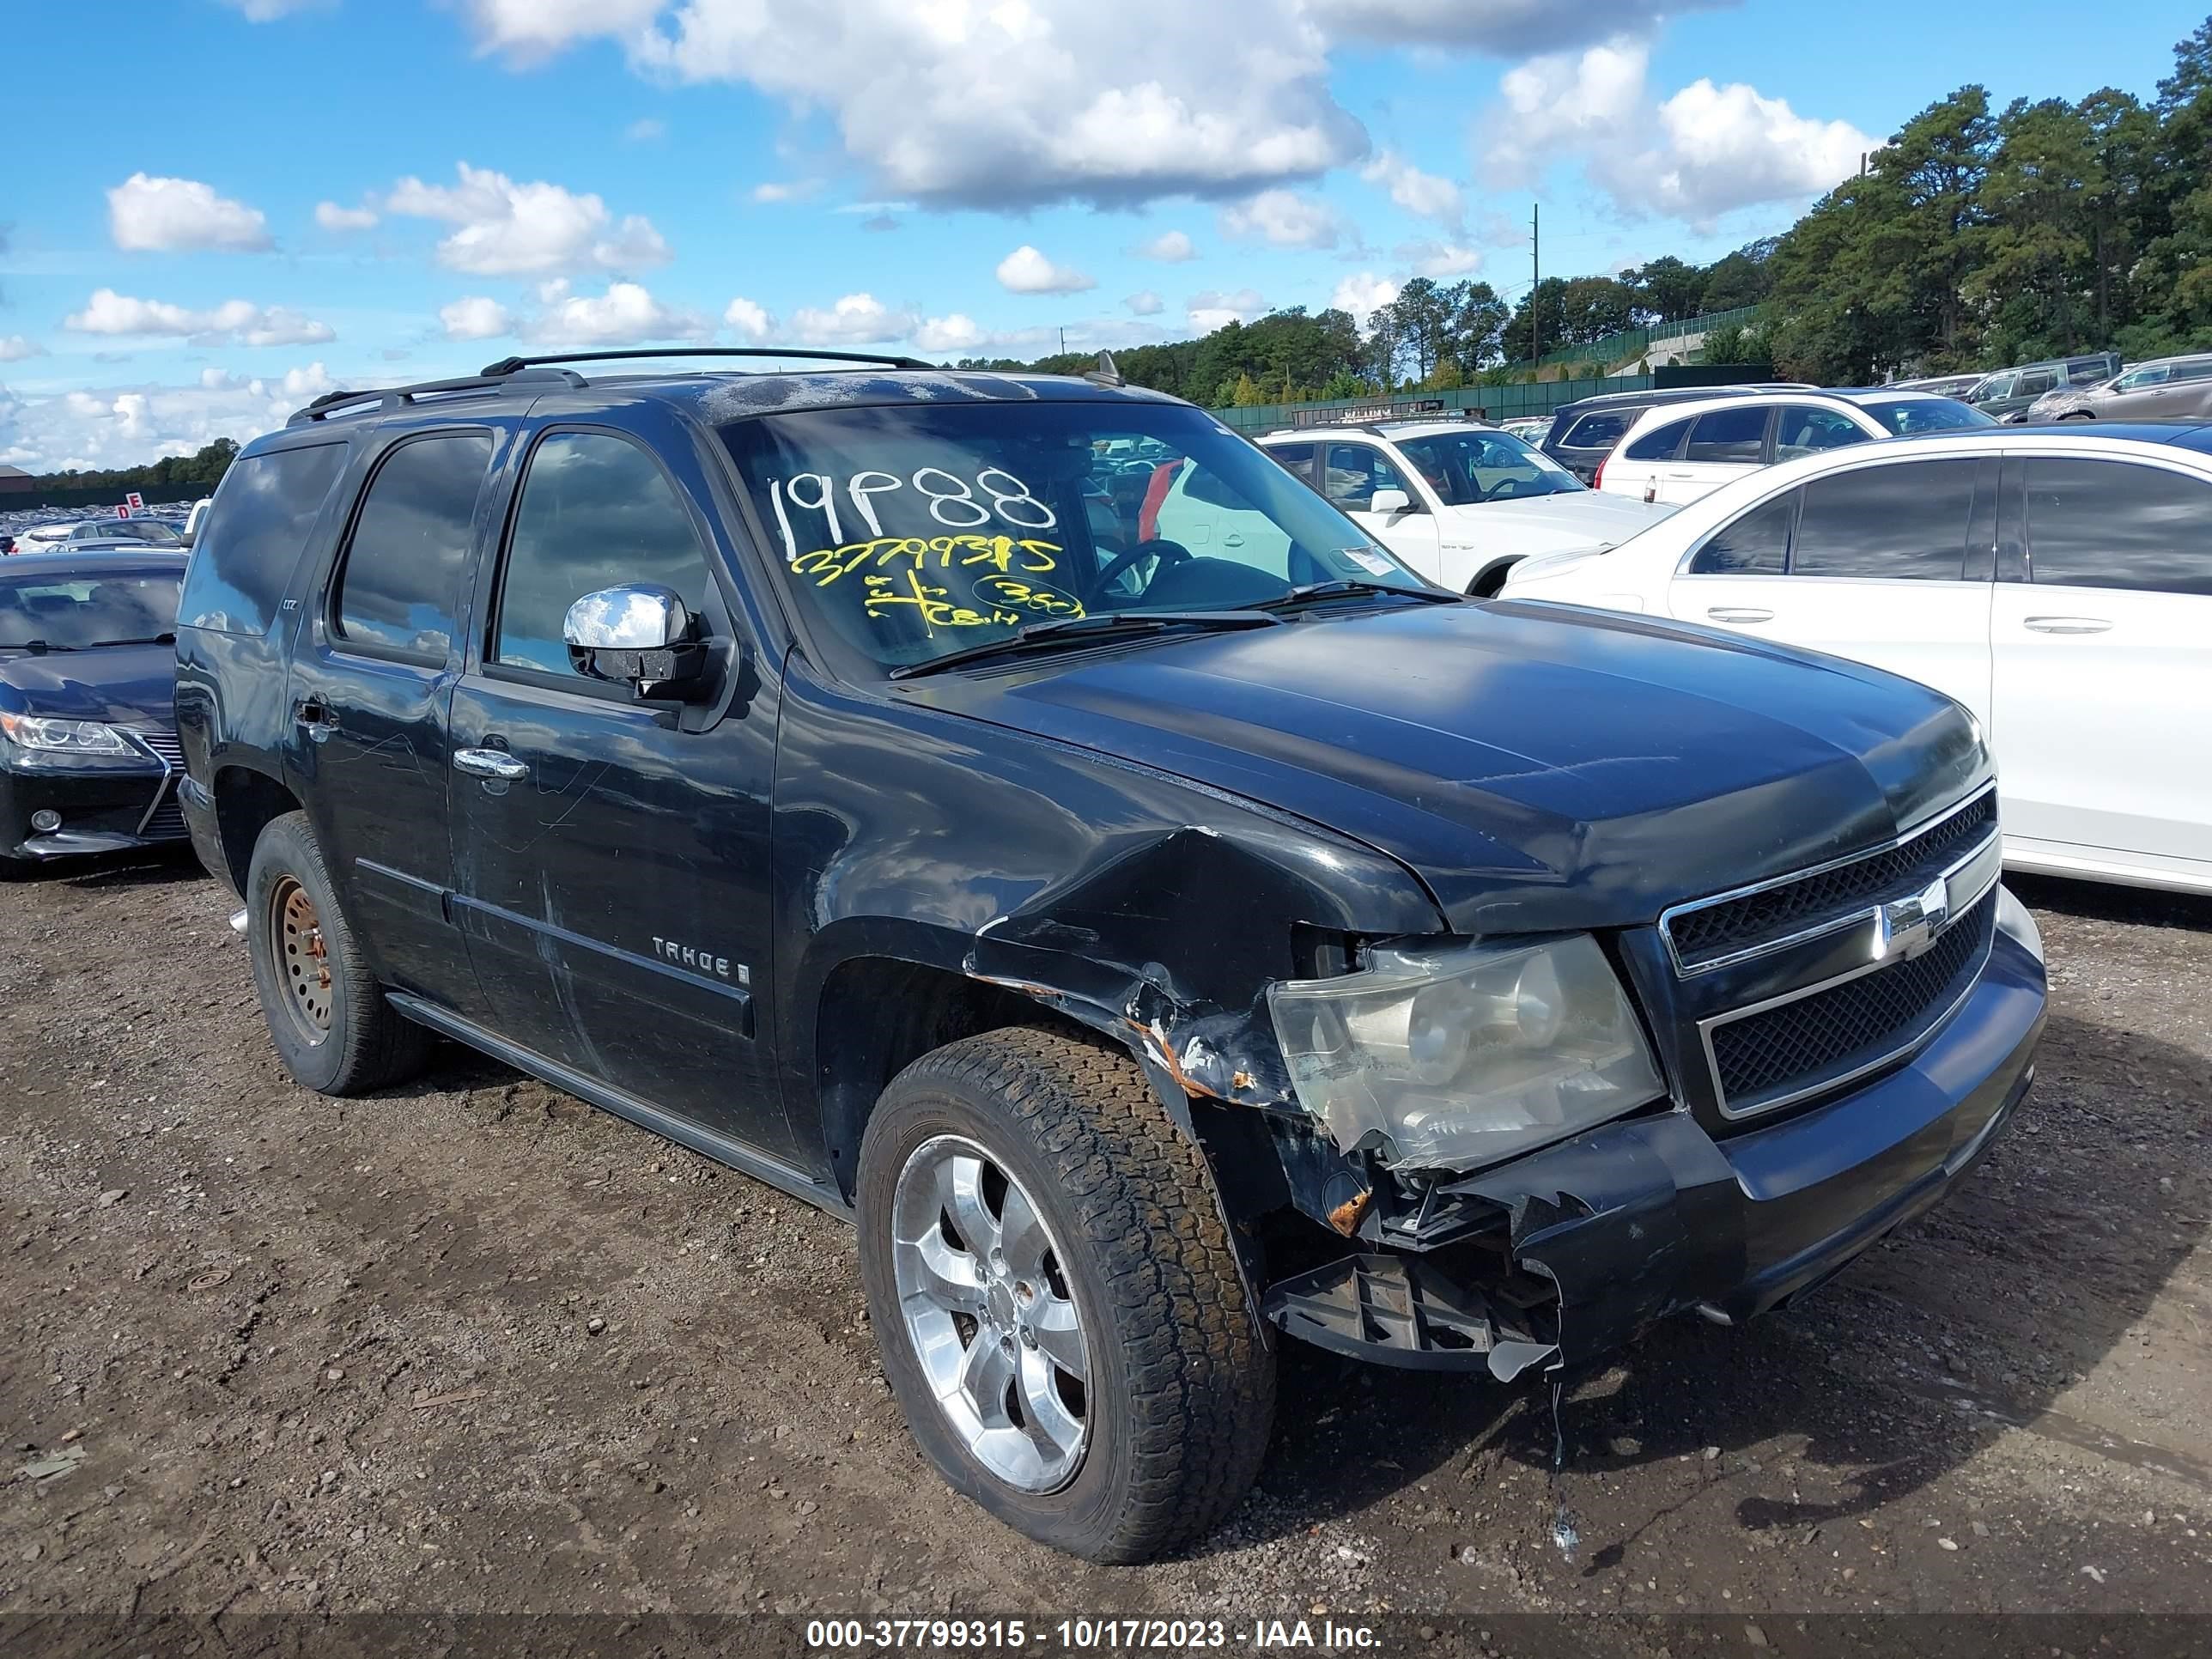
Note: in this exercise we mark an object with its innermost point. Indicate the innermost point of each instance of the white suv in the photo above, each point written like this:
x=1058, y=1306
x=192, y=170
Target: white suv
x=1677, y=452
x=1460, y=503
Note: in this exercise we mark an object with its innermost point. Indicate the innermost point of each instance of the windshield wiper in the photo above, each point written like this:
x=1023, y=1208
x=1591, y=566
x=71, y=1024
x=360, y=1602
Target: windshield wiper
x=158, y=638
x=1077, y=630
x=36, y=648
x=1352, y=587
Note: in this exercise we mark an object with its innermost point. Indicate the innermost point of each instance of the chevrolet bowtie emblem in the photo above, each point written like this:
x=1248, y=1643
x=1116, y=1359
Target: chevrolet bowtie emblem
x=1907, y=926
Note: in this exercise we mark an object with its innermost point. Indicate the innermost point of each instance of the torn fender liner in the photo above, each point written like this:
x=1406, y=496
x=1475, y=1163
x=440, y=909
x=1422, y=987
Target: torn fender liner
x=1396, y=1311
x=1627, y=1221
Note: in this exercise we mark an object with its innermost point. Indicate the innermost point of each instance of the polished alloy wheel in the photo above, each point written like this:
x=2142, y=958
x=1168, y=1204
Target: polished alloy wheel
x=302, y=960
x=985, y=1300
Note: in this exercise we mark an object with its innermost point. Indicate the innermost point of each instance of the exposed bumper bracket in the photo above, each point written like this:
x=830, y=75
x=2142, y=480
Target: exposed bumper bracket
x=1395, y=1310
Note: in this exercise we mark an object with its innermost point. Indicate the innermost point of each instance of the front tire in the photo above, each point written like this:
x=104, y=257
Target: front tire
x=1059, y=1304
x=326, y=1014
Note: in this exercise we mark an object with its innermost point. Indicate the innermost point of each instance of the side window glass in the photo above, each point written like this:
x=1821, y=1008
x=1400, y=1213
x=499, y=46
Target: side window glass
x=1297, y=459
x=1356, y=473
x=596, y=511
x=2037, y=383
x=1805, y=430
x=1600, y=431
x=1659, y=444
x=253, y=537
x=1756, y=544
x=399, y=586
x=2197, y=369
x=1904, y=522
x=1729, y=434
x=2109, y=524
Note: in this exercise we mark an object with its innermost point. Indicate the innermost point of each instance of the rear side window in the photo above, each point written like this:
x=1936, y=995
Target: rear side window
x=596, y=511
x=1659, y=444
x=1757, y=544
x=2108, y=524
x=1600, y=431
x=1729, y=434
x=264, y=510
x=400, y=585
x=1892, y=523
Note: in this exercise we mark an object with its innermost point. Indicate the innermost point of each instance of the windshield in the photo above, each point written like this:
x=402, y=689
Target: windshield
x=912, y=530
x=1905, y=417
x=1466, y=469
x=76, y=613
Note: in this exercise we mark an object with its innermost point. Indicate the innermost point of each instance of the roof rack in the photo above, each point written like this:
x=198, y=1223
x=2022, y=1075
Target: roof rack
x=399, y=397
x=511, y=365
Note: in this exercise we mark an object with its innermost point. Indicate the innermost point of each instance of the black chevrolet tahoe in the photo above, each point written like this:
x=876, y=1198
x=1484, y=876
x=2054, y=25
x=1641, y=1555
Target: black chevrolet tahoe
x=1155, y=950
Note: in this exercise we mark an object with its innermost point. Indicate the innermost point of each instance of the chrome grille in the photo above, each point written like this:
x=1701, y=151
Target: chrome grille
x=164, y=819
x=164, y=744
x=1714, y=930
x=1823, y=1039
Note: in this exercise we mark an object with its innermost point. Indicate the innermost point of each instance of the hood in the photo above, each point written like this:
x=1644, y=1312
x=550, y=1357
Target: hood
x=123, y=684
x=1539, y=769
x=1581, y=519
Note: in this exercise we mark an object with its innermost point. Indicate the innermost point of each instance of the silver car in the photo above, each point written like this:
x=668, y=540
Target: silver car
x=2163, y=389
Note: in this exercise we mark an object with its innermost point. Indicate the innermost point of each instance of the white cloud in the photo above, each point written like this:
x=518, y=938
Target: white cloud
x=1497, y=28
x=158, y=216
x=646, y=129
x=13, y=349
x=1696, y=155
x=751, y=320
x=1012, y=104
x=473, y=318
x=1437, y=261
x=268, y=11
x=1169, y=247
x=1283, y=218
x=238, y=322
x=1145, y=304
x=1211, y=310
x=787, y=189
x=131, y=423
x=331, y=216
x=856, y=319
x=508, y=229
x=1025, y=271
x=955, y=333
x=626, y=314
x=1426, y=194
x=1364, y=294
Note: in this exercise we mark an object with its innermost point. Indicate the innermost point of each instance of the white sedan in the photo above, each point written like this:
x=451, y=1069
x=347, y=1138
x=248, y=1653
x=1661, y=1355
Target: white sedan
x=1460, y=503
x=2058, y=583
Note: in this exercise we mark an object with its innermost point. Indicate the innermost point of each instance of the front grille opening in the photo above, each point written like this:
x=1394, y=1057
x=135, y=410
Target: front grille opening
x=1831, y=1034
x=1761, y=918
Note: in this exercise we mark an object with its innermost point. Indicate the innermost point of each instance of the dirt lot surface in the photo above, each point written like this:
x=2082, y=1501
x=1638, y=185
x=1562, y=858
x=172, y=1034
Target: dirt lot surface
x=477, y=1347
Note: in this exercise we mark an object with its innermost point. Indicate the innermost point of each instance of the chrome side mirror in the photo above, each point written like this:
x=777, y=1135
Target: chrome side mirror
x=638, y=634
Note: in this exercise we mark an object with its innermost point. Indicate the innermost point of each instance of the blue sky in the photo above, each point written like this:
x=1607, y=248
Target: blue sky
x=216, y=208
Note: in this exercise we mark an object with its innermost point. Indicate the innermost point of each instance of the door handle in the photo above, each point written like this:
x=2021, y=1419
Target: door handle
x=1730, y=613
x=490, y=763
x=1234, y=539
x=2065, y=624
x=316, y=719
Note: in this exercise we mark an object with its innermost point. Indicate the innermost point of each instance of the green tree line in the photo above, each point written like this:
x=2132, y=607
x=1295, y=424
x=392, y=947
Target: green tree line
x=202, y=471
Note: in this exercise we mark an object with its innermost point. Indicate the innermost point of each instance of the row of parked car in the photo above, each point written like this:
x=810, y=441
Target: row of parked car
x=1122, y=869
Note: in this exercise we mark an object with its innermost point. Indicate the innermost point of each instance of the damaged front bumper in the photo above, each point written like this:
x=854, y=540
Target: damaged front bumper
x=1654, y=1216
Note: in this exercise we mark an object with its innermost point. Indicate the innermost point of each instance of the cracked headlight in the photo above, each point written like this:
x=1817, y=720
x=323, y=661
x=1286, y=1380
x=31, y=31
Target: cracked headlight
x=65, y=737
x=1458, y=1055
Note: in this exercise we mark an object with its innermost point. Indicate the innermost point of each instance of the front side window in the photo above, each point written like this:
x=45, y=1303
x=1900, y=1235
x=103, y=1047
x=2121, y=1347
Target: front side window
x=2038, y=383
x=1729, y=434
x=1757, y=544
x=1661, y=443
x=1907, y=417
x=909, y=531
x=1355, y=471
x=596, y=511
x=1891, y=523
x=1807, y=428
x=1466, y=468
x=2112, y=524
x=1297, y=458
x=399, y=586
x=253, y=536
x=81, y=613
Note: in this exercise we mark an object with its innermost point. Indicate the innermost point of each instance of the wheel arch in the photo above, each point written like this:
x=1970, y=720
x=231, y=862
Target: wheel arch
x=246, y=801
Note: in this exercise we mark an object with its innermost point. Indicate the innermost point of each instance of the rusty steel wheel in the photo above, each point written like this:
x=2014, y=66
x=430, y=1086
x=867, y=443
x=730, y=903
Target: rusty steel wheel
x=301, y=958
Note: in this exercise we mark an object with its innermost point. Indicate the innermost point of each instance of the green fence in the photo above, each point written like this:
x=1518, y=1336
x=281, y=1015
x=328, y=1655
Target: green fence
x=1497, y=403
x=1635, y=342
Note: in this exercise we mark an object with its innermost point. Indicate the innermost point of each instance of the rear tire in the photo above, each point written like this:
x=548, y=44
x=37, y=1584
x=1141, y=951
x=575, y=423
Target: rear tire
x=1178, y=1392
x=332, y=1025
x=2078, y=415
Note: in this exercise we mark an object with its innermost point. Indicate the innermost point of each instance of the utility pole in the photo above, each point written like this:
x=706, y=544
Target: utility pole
x=1063, y=341
x=1535, y=290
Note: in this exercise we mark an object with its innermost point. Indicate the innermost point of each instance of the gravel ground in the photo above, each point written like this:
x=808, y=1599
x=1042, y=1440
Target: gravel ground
x=474, y=1347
